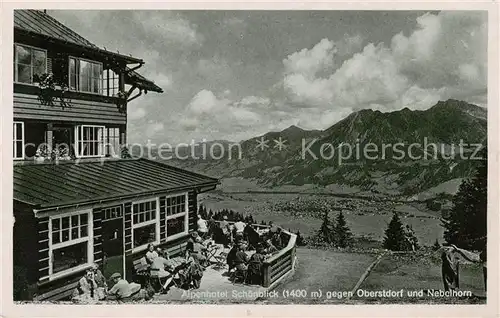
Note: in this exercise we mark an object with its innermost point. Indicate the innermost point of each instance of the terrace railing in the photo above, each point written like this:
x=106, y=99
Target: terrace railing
x=280, y=265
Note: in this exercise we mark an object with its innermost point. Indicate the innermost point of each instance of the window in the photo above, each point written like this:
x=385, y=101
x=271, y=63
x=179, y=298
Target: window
x=70, y=243
x=89, y=141
x=177, y=215
x=112, y=141
x=145, y=223
x=112, y=212
x=28, y=62
x=110, y=83
x=18, y=140
x=176, y=225
x=85, y=75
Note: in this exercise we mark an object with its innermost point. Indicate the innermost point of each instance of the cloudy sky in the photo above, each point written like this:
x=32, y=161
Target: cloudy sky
x=237, y=74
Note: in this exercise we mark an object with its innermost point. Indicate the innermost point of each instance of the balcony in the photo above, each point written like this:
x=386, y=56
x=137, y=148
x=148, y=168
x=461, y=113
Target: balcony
x=78, y=107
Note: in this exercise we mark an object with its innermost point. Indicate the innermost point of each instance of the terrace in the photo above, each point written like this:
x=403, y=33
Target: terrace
x=217, y=285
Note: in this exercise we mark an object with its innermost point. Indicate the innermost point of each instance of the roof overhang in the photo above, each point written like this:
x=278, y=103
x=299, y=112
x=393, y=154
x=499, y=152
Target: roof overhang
x=105, y=54
x=135, y=79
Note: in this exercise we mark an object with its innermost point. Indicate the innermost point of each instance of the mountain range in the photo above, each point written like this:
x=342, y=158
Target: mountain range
x=319, y=157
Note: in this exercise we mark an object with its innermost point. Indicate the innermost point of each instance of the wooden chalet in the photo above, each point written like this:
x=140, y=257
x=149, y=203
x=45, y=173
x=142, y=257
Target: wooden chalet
x=86, y=203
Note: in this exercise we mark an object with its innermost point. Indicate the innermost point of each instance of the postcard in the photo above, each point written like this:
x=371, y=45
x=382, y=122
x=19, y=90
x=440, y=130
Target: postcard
x=317, y=159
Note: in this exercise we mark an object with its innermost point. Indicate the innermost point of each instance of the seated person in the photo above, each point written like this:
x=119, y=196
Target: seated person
x=100, y=281
x=163, y=253
x=226, y=231
x=86, y=289
x=196, y=249
x=241, y=259
x=202, y=227
x=151, y=254
x=193, y=273
x=272, y=228
x=276, y=239
x=161, y=266
x=255, y=267
x=239, y=229
x=191, y=241
x=123, y=290
x=211, y=226
x=231, y=257
x=252, y=236
x=270, y=248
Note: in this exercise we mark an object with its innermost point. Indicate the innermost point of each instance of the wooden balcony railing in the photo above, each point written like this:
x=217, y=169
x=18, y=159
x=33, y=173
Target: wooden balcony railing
x=280, y=265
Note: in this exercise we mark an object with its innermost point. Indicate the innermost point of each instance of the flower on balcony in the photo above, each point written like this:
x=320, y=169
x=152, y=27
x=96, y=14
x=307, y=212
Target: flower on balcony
x=61, y=153
x=121, y=101
x=122, y=95
x=51, y=90
x=45, y=153
x=125, y=153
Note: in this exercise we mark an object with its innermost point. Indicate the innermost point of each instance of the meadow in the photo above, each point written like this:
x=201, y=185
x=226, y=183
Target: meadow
x=366, y=218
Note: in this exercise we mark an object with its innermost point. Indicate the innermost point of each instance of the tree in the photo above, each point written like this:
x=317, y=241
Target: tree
x=465, y=224
x=411, y=241
x=394, y=235
x=325, y=233
x=341, y=232
x=300, y=239
x=436, y=246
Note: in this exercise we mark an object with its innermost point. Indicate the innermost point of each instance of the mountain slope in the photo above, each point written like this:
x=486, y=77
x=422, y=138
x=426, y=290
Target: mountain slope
x=410, y=151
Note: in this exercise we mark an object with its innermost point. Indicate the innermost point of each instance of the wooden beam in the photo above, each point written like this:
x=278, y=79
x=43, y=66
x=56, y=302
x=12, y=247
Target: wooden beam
x=49, y=135
x=131, y=90
x=123, y=134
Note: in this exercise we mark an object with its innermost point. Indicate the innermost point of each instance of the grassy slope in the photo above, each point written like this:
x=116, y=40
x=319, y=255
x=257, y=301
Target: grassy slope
x=325, y=270
x=336, y=271
x=420, y=273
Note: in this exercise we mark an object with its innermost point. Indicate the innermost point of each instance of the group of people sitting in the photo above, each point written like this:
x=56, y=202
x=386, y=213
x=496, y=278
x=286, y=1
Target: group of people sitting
x=187, y=275
x=247, y=268
x=239, y=237
x=93, y=287
x=228, y=234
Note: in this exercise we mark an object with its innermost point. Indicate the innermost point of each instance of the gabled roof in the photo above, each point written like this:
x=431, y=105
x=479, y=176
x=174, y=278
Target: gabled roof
x=70, y=183
x=40, y=23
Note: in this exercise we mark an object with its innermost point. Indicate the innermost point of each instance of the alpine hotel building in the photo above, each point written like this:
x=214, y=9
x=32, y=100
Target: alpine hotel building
x=85, y=204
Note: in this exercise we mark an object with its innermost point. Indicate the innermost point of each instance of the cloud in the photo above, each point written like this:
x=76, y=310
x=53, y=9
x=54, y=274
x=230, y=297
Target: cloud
x=135, y=113
x=309, y=62
x=170, y=26
x=205, y=102
x=153, y=128
x=448, y=49
x=213, y=115
x=215, y=68
x=255, y=100
x=445, y=57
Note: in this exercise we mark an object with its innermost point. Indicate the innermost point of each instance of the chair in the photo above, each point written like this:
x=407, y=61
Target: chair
x=163, y=282
x=141, y=269
x=220, y=260
x=212, y=252
x=239, y=275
